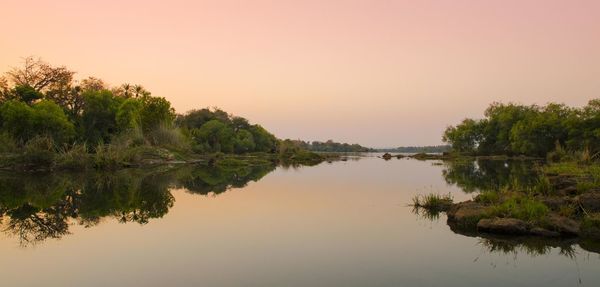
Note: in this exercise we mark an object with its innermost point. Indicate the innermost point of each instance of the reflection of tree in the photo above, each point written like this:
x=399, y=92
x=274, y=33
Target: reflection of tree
x=32, y=225
x=490, y=175
x=36, y=207
x=216, y=180
x=532, y=246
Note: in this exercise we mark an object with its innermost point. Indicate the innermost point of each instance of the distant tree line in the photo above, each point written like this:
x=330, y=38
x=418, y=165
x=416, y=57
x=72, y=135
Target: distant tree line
x=331, y=146
x=512, y=129
x=418, y=149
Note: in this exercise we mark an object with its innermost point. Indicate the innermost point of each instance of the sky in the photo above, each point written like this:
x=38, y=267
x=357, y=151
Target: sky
x=379, y=73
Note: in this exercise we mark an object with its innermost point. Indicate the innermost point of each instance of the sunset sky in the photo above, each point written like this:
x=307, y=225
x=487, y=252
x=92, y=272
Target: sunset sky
x=378, y=73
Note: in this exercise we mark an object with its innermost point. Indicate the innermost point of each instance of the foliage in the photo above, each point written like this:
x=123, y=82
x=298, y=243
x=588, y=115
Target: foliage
x=216, y=131
x=44, y=118
x=511, y=129
x=121, y=125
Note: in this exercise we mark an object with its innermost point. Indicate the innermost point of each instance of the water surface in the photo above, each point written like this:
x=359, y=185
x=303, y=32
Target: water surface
x=345, y=223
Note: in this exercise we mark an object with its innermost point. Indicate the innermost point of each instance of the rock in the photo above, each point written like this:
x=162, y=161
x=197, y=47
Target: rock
x=561, y=182
x=466, y=214
x=590, y=201
x=555, y=203
x=563, y=225
x=510, y=226
x=569, y=190
x=590, y=227
x=538, y=231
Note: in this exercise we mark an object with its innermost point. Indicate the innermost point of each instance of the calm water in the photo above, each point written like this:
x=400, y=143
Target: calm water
x=335, y=224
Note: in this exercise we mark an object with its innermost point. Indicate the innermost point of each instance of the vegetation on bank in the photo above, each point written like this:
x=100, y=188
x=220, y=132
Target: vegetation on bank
x=418, y=149
x=330, y=146
x=553, y=131
x=48, y=120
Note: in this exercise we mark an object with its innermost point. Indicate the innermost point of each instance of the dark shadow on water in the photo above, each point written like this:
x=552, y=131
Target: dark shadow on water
x=36, y=207
x=490, y=175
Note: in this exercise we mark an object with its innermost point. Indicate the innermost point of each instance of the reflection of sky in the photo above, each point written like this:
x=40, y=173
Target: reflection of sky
x=340, y=224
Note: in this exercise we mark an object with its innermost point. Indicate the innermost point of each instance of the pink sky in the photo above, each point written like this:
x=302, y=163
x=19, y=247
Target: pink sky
x=379, y=73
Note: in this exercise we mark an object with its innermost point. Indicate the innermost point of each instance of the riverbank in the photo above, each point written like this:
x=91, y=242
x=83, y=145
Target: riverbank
x=563, y=202
x=110, y=157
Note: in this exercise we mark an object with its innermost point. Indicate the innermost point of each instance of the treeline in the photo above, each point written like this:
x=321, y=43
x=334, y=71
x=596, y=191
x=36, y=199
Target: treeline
x=419, y=149
x=511, y=129
x=331, y=146
x=44, y=111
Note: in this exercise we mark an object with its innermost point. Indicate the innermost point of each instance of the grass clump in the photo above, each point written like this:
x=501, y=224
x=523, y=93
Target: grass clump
x=488, y=197
x=75, y=157
x=38, y=153
x=520, y=207
x=433, y=201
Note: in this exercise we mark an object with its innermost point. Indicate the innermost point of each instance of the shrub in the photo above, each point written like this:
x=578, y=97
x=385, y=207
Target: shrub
x=38, y=153
x=8, y=144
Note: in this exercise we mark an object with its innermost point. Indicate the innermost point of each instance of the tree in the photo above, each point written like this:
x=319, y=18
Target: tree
x=466, y=136
x=44, y=118
x=244, y=142
x=128, y=115
x=26, y=94
x=263, y=140
x=98, y=120
x=155, y=111
x=39, y=75
x=215, y=135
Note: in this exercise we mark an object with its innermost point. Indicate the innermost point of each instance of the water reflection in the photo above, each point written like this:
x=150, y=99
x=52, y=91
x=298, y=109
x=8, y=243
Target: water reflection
x=491, y=175
x=36, y=207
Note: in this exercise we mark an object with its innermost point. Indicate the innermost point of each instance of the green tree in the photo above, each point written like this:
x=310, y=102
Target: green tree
x=466, y=136
x=98, y=121
x=216, y=136
x=44, y=118
x=155, y=111
x=244, y=142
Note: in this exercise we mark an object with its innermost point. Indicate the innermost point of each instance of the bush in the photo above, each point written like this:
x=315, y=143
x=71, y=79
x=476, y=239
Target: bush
x=8, y=144
x=38, y=153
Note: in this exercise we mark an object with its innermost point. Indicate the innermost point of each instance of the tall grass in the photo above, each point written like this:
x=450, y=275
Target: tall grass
x=168, y=137
x=433, y=201
x=73, y=157
x=524, y=208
